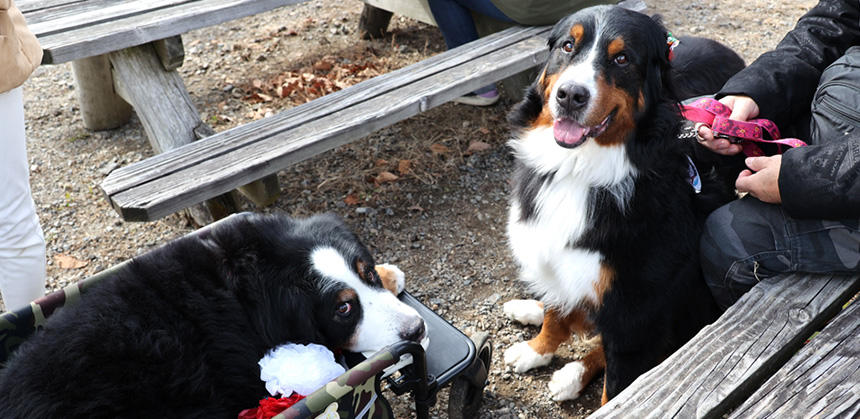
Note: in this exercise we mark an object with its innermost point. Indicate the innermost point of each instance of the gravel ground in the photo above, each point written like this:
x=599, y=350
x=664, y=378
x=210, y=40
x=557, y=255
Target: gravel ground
x=442, y=221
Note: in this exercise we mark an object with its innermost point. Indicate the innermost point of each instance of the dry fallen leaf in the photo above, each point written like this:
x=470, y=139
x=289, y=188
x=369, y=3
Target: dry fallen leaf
x=351, y=199
x=69, y=262
x=380, y=162
x=386, y=177
x=323, y=65
x=483, y=130
x=404, y=167
x=477, y=147
x=437, y=148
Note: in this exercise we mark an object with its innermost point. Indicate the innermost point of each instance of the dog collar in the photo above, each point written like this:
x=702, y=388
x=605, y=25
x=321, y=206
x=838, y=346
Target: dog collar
x=672, y=42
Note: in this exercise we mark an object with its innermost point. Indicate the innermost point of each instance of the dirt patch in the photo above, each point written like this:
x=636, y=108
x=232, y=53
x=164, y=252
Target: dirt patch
x=441, y=219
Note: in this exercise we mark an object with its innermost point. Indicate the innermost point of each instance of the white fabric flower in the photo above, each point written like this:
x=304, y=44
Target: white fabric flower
x=298, y=368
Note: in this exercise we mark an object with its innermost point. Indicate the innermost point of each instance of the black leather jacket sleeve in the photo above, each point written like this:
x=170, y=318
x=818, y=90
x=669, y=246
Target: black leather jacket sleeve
x=821, y=180
x=782, y=82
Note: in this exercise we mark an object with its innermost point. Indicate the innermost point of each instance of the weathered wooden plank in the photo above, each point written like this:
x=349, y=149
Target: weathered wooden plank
x=822, y=380
x=239, y=137
x=166, y=112
x=159, y=97
x=77, y=15
x=727, y=360
x=136, y=30
x=170, y=51
x=221, y=173
x=101, y=107
x=26, y=6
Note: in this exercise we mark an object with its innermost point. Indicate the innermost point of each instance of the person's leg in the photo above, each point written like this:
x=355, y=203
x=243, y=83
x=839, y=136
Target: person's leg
x=454, y=18
x=747, y=240
x=22, y=245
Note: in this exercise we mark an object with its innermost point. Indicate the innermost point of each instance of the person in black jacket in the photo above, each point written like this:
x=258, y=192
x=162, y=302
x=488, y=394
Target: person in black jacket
x=802, y=211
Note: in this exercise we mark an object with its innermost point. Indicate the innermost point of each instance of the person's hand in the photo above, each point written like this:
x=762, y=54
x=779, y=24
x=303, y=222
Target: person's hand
x=762, y=181
x=743, y=109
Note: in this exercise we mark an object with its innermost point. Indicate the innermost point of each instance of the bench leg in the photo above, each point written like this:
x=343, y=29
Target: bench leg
x=166, y=111
x=171, y=52
x=373, y=22
x=101, y=107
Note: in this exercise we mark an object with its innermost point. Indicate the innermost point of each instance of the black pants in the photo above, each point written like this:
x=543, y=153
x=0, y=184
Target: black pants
x=748, y=240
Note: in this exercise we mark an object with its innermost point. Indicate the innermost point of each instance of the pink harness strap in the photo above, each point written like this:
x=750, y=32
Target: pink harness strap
x=716, y=116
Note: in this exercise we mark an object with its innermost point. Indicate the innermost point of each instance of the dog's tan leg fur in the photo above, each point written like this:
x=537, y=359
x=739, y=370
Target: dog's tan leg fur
x=594, y=362
x=389, y=278
x=556, y=329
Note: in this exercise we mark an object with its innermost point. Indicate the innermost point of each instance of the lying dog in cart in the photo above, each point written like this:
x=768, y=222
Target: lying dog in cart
x=608, y=203
x=178, y=332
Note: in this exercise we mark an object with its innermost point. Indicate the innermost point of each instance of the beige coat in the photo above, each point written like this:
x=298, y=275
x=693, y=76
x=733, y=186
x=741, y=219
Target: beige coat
x=20, y=52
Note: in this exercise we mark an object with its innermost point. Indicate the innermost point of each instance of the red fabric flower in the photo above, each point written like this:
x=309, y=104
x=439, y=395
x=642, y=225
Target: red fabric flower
x=270, y=407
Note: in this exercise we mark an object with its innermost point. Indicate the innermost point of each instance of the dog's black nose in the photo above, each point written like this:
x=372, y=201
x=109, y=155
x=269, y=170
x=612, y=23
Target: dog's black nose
x=413, y=330
x=572, y=97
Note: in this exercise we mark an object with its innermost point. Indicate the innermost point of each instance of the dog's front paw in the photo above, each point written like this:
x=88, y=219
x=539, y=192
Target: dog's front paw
x=529, y=312
x=566, y=383
x=521, y=357
x=393, y=279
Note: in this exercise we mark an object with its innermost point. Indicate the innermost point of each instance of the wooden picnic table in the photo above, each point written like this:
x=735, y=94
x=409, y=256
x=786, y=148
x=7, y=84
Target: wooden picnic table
x=762, y=358
x=124, y=56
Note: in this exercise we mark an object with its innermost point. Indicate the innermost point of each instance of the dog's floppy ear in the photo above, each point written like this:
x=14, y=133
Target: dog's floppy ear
x=658, y=75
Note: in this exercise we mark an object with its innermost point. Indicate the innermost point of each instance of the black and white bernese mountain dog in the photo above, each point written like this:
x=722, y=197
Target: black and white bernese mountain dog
x=180, y=330
x=605, y=216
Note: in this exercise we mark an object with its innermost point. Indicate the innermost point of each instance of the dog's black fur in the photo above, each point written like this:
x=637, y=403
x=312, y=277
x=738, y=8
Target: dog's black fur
x=657, y=299
x=179, y=332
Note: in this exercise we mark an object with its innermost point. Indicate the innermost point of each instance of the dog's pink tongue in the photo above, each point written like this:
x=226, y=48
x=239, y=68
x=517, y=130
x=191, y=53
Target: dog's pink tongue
x=567, y=131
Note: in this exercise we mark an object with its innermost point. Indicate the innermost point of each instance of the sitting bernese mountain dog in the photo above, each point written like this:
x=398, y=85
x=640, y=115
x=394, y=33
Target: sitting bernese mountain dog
x=180, y=330
x=608, y=203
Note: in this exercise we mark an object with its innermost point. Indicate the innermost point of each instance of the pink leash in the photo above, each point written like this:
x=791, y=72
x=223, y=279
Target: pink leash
x=716, y=116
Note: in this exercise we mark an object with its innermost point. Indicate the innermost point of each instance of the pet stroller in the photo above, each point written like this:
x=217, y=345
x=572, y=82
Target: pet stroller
x=451, y=359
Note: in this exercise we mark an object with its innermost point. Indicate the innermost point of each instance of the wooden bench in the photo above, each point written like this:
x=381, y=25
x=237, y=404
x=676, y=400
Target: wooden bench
x=184, y=176
x=755, y=362
x=124, y=55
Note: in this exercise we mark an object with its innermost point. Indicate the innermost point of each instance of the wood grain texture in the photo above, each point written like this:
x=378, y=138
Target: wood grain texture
x=726, y=361
x=243, y=135
x=822, y=380
x=159, y=97
x=157, y=189
x=240, y=136
x=76, y=30
x=101, y=107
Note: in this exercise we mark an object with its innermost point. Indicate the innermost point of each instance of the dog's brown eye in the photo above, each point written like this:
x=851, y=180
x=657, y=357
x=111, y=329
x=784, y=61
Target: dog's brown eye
x=344, y=309
x=567, y=46
x=621, y=59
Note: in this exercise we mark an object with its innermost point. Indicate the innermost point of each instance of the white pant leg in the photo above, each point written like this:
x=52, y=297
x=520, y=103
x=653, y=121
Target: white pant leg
x=22, y=245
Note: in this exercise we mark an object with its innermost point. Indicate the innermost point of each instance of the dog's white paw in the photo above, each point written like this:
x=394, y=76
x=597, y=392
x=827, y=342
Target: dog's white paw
x=392, y=277
x=529, y=312
x=521, y=357
x=566, y=383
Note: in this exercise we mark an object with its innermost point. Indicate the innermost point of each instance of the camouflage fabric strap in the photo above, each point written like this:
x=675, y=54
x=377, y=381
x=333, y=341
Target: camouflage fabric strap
x=354, y=394
x=716, y=116
x=18, y=325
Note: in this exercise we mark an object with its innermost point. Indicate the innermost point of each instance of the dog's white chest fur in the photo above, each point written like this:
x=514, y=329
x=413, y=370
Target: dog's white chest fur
x=562, y=275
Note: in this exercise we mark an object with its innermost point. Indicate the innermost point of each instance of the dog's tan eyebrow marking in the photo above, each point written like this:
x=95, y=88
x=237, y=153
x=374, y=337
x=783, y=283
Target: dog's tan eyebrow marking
x=616, y=46
x=361, y=268
x=576, y=31
x=347, y=295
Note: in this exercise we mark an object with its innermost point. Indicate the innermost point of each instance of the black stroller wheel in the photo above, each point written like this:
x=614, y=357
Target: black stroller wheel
x=467, y=391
